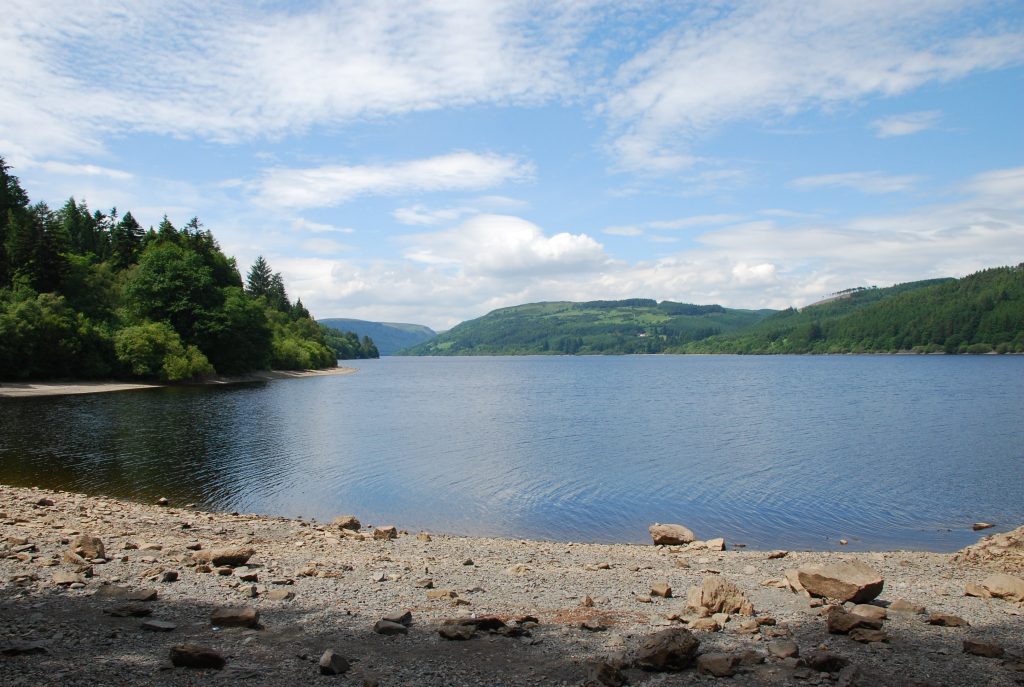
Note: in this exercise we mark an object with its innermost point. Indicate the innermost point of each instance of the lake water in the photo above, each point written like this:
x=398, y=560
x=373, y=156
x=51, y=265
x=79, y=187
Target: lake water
x=773, y=452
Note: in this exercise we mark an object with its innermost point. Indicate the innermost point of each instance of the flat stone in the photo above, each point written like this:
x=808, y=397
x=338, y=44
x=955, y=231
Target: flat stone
x=705, y=625
x=866, y=636
x=983, y=649
x=976, y=590
x=456, y=633
x=670, y=650
x=670, y=534
x=593, y=625
x=333, y=663
x=158, y=626
x=62, y=577
x=947, y=620
x=400, y=617
x=661, y=589
x=130, y=610
x=783, y=648
x=981, y=526
x=904, y=606
x=230, y=556
x=386, y=533
x=441, y=594
x=840, y=622
x=347, y=522
x=777, y=554
x=280, y=595
x=23, y=649
x=384, y=627
x=194, y=656
x=870, y=611
x=717, y=664
x=235, y=617
x=825, y=661
x=853, y=580
x=1003, y=586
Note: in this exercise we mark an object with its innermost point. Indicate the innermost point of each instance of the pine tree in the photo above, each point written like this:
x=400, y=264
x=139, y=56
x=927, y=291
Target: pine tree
x=257, y=282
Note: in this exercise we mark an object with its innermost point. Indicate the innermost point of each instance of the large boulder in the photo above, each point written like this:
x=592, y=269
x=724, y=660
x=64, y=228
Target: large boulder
x=854, y=581
x=1003, y=586
x=347, y=522
x=88, y=547
x=670, y=650
x=670, y=534
x=719, y=595
x=1006, y=549
x=233, y=556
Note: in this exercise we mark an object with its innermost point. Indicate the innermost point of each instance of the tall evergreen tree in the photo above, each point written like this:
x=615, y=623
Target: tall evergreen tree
x=257, y=282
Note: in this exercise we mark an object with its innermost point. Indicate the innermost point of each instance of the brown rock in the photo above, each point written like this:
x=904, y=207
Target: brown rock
x=777, y=554
x=130, y=610
x=333, y=663
x=456, y=633
x=608, y=675
x=981, y=526
x=63, y=578
x=717, y=544
x=386, y=533
x=347, y=522
x=972, y=589
x=705, y=625
x=947, y=620
x=783, y=648
x=235, y=617
x=983, y=649
x=670, y=534
x=88, y=546
x=280, y=595
x=825, y=661
x=670, y=650
x=593, y=625
x=158, y=626
x=385, y=627
x=719, y=595
x=850, y=581
x=904, y=606
x=661, y=589
x=840, y=622
x=162, y=502
x=870, y=611
x=866, y=636
x=717, y=664
x=1003, y=586
x=423, y=536
x=231, y=557
x=193, y=656
x=400, y=617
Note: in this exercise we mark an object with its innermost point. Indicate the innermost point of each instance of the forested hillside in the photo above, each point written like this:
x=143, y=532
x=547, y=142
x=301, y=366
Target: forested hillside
x=390, y=337
x=980, y=313
x=629, y=326
x=91, y=294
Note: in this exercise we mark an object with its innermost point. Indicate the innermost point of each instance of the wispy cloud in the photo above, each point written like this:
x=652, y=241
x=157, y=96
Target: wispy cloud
x=331, y=185
x=905, y=124
x=865, y=182
x=302, y=224
x=759, y=61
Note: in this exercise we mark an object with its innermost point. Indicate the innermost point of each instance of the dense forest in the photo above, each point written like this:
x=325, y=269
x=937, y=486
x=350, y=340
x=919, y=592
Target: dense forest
x=981, y=313
x=91, y=294
x=390, y=337
x=635, y=325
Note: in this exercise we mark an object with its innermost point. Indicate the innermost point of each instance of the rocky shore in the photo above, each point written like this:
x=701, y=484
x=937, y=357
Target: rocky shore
x=98, y=591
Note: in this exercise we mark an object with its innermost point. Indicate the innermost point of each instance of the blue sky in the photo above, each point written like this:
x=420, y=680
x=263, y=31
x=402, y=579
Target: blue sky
x=428, y=162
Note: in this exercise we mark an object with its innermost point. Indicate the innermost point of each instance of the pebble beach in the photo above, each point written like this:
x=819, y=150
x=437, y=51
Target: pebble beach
x=103, y=591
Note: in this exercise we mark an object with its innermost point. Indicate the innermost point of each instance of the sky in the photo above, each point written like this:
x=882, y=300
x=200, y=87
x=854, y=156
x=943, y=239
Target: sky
x=428, y=162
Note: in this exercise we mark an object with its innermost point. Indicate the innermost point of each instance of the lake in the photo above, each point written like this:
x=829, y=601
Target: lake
x=772, y=452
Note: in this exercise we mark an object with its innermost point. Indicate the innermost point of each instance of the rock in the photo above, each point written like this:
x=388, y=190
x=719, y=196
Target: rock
x=280, y=595
x=608, y=675
x=193, y=656
x=855, y=676
x=593, y=625
x=72, y=558
x=88, y=546
x=23, y=649
x=705, y=625
x=783, y=648
x=468, y=561
x=670, y=534
x=230, y=557
x=904, y=606
x=385, y=627
x=983, y=649
x=487, y=623
x=386, y=533
x=1006, y=549
x=346, y=522
x=400, y=617
x=844, y=542
x=717, y=664
x=130, y=610
x=333, y=663
x=792, y=577
x=1003, y=586
x=981, y=526
x=870, y=611
x=162, y=502
x=423, y=536
x=840, y=622
x=142, y=595
x=441, y=594
x=644, y=599
x=717, y=544
x=587, y=602
x=777, y=554
x=670, y=650
x=976, y=590
x=169, y=576
x=235, y=617
x=44, y=502
x=866, y=636
x=825, y=661
x=947, y=620
x=456, y=633
x=850, y=581
x=61, y=577
x=425, y=583
x=747, y=627
x=158, y=626
x=661, y=589
x=719, y=595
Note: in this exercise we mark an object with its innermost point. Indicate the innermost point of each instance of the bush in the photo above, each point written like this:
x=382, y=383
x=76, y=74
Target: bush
x=154, y=350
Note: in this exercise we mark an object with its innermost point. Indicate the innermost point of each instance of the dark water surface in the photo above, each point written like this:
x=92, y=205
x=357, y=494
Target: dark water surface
x=794, y=452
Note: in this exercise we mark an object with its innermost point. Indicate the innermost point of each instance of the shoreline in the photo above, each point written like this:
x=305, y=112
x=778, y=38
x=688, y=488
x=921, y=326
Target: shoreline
x=316, y=586
x=30, y=389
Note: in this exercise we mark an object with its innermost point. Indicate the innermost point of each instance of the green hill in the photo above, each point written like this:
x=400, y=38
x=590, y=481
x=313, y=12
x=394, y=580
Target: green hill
x=630, y=326
x=980, y=313
x=390, y=337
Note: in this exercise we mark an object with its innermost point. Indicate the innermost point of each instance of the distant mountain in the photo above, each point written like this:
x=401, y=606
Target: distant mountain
x=390, y=337
x=980, y=313
x=636, y=325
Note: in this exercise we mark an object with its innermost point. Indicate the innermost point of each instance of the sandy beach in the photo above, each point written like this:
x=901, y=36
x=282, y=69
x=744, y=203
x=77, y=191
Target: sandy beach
x=67, y=388
x=466, y=611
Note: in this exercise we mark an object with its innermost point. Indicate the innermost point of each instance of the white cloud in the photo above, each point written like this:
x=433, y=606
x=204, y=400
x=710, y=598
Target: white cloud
x=331, y=185
x=323, y=246
x=865, y=182
x=421, y=215
x=905, y=124
x=67, y=169
x=762, y=60
x=694, y=221
x=627, y=230
x=302, y=224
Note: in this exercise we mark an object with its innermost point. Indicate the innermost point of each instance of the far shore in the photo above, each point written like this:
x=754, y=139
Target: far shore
x=30, y=389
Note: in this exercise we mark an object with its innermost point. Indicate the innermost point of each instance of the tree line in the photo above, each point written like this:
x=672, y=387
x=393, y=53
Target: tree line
x=92, y=294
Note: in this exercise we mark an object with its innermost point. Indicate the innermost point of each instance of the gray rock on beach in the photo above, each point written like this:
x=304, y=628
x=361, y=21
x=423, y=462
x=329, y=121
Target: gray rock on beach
x=333, y=663
x=347, y=522
x=670, y=650
x=670, y=534
x=231, y=556
x=193, y=656
x=1003, y=586
x=235, y=617
x=854, y=581
x=88, y=547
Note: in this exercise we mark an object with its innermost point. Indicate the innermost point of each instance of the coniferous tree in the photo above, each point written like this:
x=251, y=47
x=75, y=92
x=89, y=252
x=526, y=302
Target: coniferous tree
x=257, y=282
